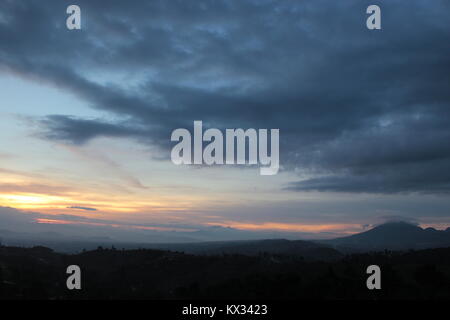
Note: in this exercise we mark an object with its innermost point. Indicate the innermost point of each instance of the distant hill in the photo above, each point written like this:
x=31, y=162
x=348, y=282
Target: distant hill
x=393, y=236
x=297, y=248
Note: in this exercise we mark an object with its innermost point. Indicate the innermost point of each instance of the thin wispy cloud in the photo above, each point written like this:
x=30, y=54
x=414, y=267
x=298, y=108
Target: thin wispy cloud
x=82, y=208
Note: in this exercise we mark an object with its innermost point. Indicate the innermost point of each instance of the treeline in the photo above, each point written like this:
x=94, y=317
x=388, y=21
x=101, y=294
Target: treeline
x=40, y=273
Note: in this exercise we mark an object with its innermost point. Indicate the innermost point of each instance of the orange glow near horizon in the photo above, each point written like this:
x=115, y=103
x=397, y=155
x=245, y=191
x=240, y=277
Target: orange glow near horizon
x=293, y=227
x=57, y=205
x=143, y=207
x=338, y=228
x=24, y=196
x=153, y=228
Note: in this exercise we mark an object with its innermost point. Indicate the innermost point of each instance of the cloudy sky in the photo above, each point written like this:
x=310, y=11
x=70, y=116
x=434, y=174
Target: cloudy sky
x=86, y=115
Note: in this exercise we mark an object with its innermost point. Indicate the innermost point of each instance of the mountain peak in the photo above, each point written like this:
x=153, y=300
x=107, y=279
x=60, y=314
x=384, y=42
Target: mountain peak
x=398, y=235
x=398, y=224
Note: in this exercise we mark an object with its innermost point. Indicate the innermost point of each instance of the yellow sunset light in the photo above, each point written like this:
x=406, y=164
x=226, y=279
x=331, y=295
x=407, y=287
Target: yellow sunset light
x=19, y=199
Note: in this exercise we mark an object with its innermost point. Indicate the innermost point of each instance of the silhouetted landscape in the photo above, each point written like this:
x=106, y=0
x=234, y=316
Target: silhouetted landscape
x=393, y=236
x=266, y=269
x=234, y=151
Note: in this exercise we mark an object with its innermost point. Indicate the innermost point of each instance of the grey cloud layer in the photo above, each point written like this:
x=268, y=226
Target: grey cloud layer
x=362, y=111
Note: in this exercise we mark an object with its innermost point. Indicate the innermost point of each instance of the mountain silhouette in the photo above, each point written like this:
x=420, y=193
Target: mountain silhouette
x=393, y=236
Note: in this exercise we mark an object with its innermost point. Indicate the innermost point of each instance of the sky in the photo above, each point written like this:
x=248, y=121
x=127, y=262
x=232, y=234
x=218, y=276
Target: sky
x=86, y=116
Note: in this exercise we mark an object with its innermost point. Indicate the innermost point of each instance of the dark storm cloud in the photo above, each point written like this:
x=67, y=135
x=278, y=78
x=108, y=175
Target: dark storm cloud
x=358, y=110
x=78, y=131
